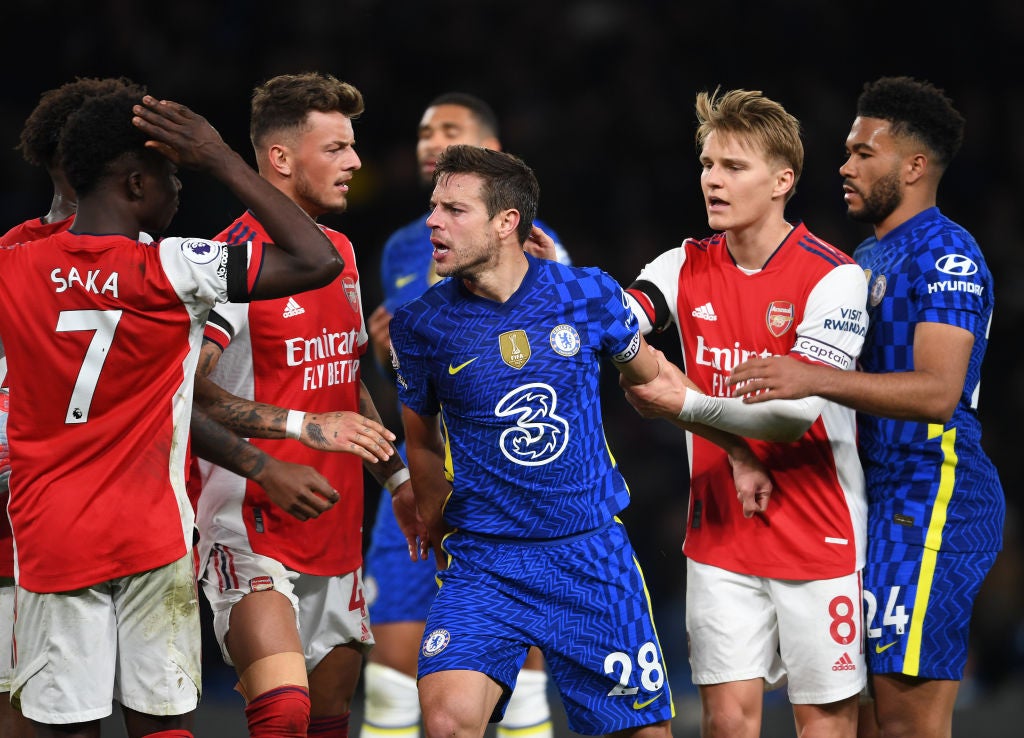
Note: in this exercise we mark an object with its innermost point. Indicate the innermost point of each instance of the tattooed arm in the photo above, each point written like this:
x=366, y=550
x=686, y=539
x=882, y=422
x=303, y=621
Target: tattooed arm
x=343, y=431
x=299, y=490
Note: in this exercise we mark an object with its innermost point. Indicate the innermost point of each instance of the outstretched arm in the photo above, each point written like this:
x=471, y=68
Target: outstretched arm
x=655, y=387
x=928, y=394
x=674, y=397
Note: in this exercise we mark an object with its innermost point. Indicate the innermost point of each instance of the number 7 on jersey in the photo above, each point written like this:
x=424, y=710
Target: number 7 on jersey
x=104, y=323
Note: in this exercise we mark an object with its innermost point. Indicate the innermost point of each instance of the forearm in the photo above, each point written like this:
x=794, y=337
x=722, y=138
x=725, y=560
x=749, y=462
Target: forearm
x=215, y=443
x=430, y=486
x=641, y=368
x=244, y=417
x=775, y=420
x=383, y=471
x=735, y=447
x=914, y=395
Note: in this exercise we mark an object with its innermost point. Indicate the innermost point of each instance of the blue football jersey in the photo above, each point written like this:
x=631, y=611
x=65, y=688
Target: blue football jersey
x=928, y=484
x=516, y=384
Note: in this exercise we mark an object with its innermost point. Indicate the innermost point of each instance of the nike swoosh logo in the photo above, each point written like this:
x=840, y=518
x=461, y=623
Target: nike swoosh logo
x=637, y=705
x=879, y=648
x=456, y=369
x=404, y=280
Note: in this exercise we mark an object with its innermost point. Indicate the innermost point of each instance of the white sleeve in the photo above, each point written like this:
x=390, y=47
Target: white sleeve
x=659, y=283
x=831, y=333
x=231, y=318
x=775, y=420
x=198, y=270
x=835, y=319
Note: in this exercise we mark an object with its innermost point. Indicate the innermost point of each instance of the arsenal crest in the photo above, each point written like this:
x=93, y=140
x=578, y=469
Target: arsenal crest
x=349, y=285
x=780, y=317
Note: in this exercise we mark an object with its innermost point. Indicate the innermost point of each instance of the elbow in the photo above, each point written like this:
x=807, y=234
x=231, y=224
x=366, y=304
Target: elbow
x=786, y=427
x=331, y=268
x=788, y=432
x=325, y=271
x=939, y=412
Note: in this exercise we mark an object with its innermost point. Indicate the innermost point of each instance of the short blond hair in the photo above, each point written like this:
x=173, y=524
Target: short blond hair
x=751, y=116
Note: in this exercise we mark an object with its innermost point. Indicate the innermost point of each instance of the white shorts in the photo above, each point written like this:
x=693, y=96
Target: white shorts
x=134, y=639
x=6, y=633
x=329, y=611
x=807, y=633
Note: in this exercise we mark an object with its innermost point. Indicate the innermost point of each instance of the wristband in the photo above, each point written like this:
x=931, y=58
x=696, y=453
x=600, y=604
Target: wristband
x=397, y=479
x=293, y=425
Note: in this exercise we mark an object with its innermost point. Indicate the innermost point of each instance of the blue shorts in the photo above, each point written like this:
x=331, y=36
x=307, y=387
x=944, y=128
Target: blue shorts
x=917, y=608
x=581, y=599
x=397, y=589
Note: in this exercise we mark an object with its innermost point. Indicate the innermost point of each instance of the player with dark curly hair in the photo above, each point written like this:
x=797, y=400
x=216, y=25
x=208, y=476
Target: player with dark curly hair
x=936, y=505
x=40, y=137
x=101, y=368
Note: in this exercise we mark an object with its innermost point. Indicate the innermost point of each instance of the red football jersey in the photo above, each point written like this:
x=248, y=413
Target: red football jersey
x=30, y=230
x=807, y=301
x=300, y=352
x=102, y=334
x=34, y=229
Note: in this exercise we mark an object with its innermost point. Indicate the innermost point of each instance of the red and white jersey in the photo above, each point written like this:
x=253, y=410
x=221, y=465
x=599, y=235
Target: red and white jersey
x=103, y=334
x=807, y=301
x=34, y=229
x=30, y=230
x=300, y=352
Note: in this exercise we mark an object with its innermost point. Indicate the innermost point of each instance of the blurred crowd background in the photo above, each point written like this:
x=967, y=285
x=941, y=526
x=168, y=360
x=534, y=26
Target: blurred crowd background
x=597, y=96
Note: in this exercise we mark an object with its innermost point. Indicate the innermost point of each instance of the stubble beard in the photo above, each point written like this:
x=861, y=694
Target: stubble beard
x=881, y=202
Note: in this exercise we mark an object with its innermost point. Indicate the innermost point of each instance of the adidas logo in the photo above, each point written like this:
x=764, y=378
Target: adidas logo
x=292, y=309
x=844, y=663
x=705, y=312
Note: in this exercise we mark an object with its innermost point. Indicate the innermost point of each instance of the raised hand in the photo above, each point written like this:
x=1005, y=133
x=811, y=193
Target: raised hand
x=540, y=244
x=184, y=137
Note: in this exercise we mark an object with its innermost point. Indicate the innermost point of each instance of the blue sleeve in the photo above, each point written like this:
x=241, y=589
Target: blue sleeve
x=952, y=283
x=415, y=388
x=387, y=267
x=620, y=329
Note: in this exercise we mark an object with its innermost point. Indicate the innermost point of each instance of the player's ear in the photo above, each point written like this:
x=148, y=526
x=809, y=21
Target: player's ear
x=916, y=166
x=279, y=158
x=507, y=222
x=134, y=183
x=785, y=179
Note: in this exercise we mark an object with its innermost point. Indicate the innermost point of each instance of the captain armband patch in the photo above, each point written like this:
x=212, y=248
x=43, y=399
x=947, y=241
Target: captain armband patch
x=630, y=352
x=823, y=353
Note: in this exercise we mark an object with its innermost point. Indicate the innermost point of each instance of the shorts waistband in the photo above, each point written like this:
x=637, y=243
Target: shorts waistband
x=559, y=541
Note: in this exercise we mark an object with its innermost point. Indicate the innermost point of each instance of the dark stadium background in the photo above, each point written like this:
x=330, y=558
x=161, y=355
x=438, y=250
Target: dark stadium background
x=597, y=95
